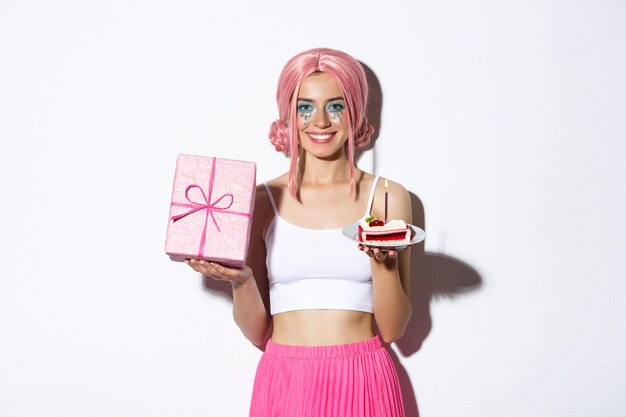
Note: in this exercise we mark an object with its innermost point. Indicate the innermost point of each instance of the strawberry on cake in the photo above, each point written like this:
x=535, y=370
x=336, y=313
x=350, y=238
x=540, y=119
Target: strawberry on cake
x=373, y=232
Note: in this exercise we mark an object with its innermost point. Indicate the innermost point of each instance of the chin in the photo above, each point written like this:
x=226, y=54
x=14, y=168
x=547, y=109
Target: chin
x=330, y=156
x=328, y=151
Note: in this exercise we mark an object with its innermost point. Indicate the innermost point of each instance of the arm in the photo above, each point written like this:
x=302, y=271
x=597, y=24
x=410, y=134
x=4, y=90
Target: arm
x=390, y=272
x=250, y=284
x=251, y=298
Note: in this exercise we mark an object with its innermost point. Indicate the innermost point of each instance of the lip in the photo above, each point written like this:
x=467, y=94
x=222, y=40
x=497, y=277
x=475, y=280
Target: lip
x=321, y=137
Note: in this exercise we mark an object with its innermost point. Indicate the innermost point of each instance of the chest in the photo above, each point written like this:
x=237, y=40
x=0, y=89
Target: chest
x=330, y=208
x=295, y=253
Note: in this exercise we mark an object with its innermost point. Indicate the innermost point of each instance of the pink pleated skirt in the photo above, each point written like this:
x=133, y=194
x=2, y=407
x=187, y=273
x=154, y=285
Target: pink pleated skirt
x=348, y=380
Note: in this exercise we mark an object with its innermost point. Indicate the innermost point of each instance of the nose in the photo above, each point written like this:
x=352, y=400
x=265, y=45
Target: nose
x=321, y=119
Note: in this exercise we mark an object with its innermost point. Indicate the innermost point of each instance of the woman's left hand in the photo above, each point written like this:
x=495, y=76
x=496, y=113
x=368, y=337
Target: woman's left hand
x=377, y=254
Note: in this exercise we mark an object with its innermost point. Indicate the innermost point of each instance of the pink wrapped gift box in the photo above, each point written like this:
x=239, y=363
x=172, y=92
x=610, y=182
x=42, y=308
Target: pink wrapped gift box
x=211, y=210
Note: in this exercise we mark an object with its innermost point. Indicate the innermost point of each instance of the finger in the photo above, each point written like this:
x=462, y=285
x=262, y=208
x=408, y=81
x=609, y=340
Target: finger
x=215, y=271
x=208, y=269
x=232, y=274
x=392, y=254
x=202, y=267
x=194, y=264
x=219, y=272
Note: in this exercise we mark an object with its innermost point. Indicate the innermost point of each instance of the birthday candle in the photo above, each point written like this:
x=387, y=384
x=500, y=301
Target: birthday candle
x=386, y=198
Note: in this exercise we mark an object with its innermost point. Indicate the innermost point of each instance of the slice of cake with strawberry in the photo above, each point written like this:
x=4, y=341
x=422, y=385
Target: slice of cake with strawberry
x=395, y=232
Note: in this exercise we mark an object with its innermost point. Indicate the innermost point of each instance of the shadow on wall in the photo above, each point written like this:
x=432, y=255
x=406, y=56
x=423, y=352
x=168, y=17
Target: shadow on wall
x=372, y=112
x=432, y=275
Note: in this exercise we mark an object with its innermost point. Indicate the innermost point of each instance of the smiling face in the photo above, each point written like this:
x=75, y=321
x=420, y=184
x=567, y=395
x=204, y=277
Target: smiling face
x=322, y=116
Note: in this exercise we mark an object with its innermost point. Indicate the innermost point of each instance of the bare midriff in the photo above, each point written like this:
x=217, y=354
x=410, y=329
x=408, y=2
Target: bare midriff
x=321, y=327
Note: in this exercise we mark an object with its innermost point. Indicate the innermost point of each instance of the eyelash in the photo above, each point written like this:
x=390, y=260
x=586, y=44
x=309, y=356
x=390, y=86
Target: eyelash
x=306, y=108
x=335, y=107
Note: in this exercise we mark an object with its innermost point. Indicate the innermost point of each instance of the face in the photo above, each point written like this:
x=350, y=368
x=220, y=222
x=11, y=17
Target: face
x=322, y=116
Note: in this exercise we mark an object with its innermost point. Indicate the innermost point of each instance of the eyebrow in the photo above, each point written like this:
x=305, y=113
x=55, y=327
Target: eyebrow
x=308, y=100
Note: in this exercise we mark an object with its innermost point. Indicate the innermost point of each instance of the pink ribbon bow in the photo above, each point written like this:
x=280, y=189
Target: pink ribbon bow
x=206, y=205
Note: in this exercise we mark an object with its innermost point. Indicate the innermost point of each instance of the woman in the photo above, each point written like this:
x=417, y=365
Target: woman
x=307, y=287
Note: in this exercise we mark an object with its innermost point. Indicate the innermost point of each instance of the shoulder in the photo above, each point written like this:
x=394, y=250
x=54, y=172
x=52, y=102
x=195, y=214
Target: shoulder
x=279, y=182
x=263, y=209
x=395, y=189
x=398, y=199
x=275, y=185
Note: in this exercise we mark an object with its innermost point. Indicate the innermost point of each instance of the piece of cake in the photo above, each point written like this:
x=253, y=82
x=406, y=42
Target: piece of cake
x=374, y=232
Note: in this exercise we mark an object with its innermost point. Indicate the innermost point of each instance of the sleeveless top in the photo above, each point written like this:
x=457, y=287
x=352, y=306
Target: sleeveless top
x=316, y=268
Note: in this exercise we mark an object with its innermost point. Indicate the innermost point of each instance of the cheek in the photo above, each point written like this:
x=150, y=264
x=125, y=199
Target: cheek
x=337, y=118
x=304, y=120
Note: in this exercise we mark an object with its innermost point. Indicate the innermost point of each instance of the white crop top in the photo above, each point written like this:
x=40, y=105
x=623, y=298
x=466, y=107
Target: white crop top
x=316, y=268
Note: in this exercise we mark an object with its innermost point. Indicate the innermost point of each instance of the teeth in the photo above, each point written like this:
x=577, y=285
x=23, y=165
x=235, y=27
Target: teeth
x=321, y=137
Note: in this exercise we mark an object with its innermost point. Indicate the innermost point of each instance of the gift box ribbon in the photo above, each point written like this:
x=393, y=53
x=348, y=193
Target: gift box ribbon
x=207, y=205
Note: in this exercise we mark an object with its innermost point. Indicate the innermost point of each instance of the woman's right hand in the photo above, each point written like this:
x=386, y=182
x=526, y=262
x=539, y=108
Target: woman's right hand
x=219, y=272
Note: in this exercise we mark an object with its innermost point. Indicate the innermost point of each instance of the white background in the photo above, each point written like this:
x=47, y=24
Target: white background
x=504, y=119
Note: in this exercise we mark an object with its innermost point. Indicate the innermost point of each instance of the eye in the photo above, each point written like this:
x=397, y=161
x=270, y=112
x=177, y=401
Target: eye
x=305, y=108
x=335, y=107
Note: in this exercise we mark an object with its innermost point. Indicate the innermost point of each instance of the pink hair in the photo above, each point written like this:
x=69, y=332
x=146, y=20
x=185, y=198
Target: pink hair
x=349, y=75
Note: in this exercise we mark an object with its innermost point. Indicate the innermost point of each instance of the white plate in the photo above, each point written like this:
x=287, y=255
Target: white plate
x=351, y=231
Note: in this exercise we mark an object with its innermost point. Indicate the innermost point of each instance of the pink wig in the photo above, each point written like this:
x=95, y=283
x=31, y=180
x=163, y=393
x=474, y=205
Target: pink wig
x=349, y=75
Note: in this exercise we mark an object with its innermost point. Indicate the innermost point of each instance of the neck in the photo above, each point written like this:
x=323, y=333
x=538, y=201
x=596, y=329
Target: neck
x=325, y=171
